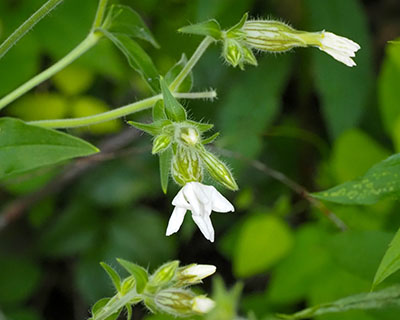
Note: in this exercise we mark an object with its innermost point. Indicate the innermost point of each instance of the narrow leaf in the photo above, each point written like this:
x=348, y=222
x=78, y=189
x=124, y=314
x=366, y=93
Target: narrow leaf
x=139, y=273
x=207, y=28
x=137, y=58
x=159, y=111
x=116, y=280
x=379, y=182
x=150, y=128
x=98, y=307
x=172, y=73
x=390, y=262
x=240, y=24
x=211, y=138
x=165, y=165
x=202, y=127
x=123, y=19
x=25, y=147
x=128, y=311
x=174, y=110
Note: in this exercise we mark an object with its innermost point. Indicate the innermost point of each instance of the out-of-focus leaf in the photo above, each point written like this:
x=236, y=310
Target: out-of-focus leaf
x=99, y=305
x=123, y=19
x=174, y=110
x=23, y=314
x=343, y=95
x=390, y=262
x=187, y=84
x=86, y=106
x=19, y=278
x=388, y=90
x=354, y=152
x=73, y=80
x=263, y=241
x=115, y=278
x=44, y=147
x=39, y=106
x=137, y=58
x=379, y=182
x=364, y=301
x=165, y=164
x=139, y=273
x=207, y=28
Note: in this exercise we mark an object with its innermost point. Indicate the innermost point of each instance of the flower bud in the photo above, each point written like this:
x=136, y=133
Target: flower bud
x=177, y=302
x=194, y=273
x=232, y=52
x=269, y=35
x=218, y=170
x=163, y=275
x=188, y=136
x=186, y=165
x=202, y=304
x=161, y=143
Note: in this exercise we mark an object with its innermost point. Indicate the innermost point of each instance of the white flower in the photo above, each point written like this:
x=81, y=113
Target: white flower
x=201, y=200
x=340, y=48
x=202, y=304
x=199, y=271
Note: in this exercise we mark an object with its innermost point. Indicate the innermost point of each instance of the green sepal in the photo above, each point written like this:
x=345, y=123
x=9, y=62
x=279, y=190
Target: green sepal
x=165, y=167
x=174, y=110
x=207, y=28
x=114, y=276
x=138, y=272
x=164, y=274
x=202, y=127
x=235, y=30
x=161, y=143
x=159, y=111
x=210, y=139
x=154, y=128
x=186, y=85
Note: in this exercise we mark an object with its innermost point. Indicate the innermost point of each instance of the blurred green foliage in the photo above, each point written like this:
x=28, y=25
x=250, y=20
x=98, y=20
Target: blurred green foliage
x=287, y=254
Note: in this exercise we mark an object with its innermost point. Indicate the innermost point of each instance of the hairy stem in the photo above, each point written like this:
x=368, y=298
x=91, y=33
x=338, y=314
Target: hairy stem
x=84, y=46
x=191, y=63
x=101, y=9
x=119, y=112
x=28, y=25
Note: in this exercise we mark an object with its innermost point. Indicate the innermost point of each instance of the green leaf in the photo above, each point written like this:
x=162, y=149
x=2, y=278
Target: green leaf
x=128, y=311
x=98, y=307
x=154, y=128
x=210, y=139
x=139, y=273
x=43, y=147
x=137, y=58
x=390, y=262
x=165, y=165
x=207, y=28
x=239, y=25
x=343, y=96
x=172, y=73
x=123, y=19
x=174, y=110
x=263, y=241
x=364, y=301
x=116, y=280
x=381, y=181
x=202, y=127
x=159, y=111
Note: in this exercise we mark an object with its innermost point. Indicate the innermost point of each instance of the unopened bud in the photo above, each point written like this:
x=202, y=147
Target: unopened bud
x=186, y=166
x=202, y=304
x=161, y=143
x=233, y=52
x=189, y=136
x=194, y=273
x=163, y=275
x=218, y=170
x=177, y=302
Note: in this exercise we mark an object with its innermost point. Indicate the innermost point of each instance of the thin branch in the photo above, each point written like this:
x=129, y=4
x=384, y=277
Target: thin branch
x=297, y=188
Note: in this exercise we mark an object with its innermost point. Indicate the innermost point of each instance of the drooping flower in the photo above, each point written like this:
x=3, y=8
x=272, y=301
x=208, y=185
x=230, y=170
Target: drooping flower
x=201, y=200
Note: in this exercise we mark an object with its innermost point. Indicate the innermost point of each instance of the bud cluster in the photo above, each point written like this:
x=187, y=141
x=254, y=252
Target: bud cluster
x=166, y=290
x=180, y=142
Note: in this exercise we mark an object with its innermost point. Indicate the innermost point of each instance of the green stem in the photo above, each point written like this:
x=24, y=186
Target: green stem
x=119, y=112
x=191, y=63
x=28, y=25
x=101, y=9
x=116, y=304
x=84, y=46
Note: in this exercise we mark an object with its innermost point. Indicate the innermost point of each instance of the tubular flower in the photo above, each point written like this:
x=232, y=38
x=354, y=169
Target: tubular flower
x=201, y=200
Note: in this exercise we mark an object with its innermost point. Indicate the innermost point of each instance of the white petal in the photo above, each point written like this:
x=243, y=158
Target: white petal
x=205, y=226
x=202, y=304
x=220, y=203
x=200, y=271
x=180, y=201
x=192, y=193
x=176, y=220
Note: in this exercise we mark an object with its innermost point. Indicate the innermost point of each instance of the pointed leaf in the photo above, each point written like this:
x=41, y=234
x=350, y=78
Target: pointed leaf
x=159, y=111
x=172, y=73
x=128, y=311
x=25, y=147
x=165, y=165
x=207, y=28
x=174, y=110
x=379, y=182
x=138, y=272
x=154, y=128
x=240, y=24
x=210, y=139
x=390, y=262
x=123, y=19
x=137, y=58
x=202, y=127
x=98, y=307
x=114, y=276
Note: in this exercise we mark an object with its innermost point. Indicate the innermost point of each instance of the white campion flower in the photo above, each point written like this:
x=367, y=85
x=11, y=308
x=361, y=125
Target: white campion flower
x=202, y=304
x=340, y=48
x=201, y=200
